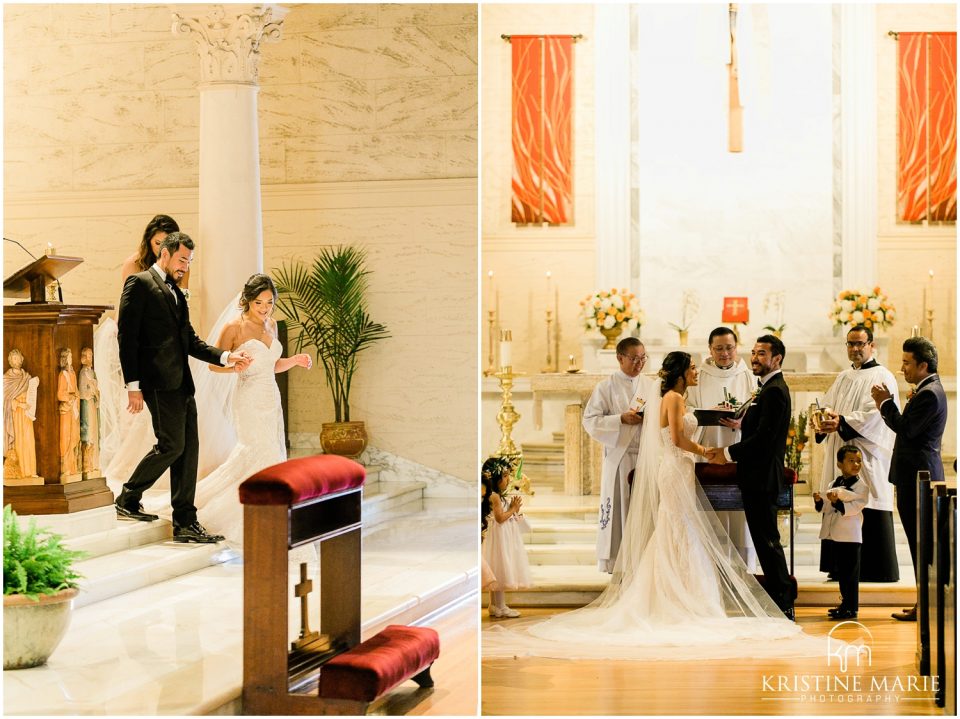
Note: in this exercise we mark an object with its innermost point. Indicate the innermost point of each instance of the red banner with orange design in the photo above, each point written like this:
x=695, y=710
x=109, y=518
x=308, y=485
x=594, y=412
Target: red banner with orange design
x=927, y=126
x=542, y=181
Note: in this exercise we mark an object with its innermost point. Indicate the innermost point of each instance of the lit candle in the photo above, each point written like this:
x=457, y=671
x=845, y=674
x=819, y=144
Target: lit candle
x=490, y=292
x=548, y=285
x=50, y=249
x=505, y=342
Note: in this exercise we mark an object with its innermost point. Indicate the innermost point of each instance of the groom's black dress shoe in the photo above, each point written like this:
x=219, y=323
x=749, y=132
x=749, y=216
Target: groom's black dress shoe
x=841, y=613
x=195, y=533
x=907, y=615
x=138, y=514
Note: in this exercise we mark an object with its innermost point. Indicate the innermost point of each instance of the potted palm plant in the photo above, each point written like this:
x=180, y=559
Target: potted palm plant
x=39, y=584
x=325, y=307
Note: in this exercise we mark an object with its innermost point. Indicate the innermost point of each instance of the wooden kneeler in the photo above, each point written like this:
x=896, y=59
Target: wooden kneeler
x=290, y=505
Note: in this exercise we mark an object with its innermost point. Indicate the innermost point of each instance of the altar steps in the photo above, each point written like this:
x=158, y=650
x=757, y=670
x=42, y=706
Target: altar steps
x=543, y=464
x=561, y=551
x=157, y=626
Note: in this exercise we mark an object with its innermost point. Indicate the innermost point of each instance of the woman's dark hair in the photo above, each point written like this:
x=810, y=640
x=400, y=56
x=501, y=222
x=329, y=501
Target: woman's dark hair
x=254, y=286
x=161, y=223
x=490, y=475
x=675, y=366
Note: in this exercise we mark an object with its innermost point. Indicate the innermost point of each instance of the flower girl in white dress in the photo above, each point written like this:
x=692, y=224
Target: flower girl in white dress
x=502, y=546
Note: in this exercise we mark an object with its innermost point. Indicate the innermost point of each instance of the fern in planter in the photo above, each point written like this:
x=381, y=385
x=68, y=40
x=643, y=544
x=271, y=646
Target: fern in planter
x=35, y=562
x=325, y=307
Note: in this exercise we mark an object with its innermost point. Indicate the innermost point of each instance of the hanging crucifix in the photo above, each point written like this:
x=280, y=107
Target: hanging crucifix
x=735, y=128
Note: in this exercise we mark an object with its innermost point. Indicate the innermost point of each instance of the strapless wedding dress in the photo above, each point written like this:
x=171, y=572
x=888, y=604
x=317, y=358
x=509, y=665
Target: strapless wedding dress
x=258, y=420
x=679, y=589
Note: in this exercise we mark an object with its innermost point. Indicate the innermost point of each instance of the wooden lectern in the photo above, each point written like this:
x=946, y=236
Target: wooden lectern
x=39, y=329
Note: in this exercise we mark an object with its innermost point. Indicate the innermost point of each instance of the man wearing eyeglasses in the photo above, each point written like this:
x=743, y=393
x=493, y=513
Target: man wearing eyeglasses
x=725, y=378
x=855, y=419
x=613, y=417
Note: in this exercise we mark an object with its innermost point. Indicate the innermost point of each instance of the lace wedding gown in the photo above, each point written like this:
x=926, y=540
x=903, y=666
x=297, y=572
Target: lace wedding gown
x=679, y=589
x=258, y=419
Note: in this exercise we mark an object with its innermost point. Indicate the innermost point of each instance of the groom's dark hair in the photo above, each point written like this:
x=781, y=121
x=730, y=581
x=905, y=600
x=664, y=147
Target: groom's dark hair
x=923, y=350
x=171, y=243
x=776, y=346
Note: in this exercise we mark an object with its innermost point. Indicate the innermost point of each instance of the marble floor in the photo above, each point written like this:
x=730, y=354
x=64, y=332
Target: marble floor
x=175, y=647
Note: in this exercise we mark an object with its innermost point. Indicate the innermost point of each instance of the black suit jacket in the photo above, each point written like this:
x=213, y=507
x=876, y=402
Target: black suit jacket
x=759, y=455
x=156, y=337
x=919, y=430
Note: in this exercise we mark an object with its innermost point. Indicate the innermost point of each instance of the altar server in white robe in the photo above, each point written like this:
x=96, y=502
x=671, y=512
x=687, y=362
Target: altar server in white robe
x=725, y=371
x=613, y=417
x=855, y=419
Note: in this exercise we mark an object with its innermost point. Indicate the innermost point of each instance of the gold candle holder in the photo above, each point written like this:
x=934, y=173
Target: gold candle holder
x=491, y=356
x=507, y=417
x=930, y=324
x=549, y=367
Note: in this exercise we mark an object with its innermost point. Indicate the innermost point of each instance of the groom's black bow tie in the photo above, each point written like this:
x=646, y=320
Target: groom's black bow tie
x=168, y=280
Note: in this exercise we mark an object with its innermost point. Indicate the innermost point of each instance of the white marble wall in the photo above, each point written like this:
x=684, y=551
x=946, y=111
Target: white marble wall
x=521, y=256
x=907, y=252
x=735, y=224
x=368, y=134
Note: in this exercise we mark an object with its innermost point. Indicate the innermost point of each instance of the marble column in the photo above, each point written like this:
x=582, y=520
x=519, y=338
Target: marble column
x=230, y=233
x=612, y=41
x=857, y=203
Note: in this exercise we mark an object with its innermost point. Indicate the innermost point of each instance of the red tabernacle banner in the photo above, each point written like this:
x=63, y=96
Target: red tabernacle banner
x=927, y=126
x=735, y=310
x=542, y=180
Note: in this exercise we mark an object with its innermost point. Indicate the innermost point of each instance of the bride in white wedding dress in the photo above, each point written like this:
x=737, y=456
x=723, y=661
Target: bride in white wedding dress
x=257, y=415
x=679, y=589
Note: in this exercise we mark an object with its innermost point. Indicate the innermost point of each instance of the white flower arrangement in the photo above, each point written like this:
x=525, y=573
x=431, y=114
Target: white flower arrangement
x=689, y=307
x=606, y=310
x=861, y=307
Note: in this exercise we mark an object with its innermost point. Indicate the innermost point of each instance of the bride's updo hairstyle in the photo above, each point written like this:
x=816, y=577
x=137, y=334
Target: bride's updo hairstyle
x=675, y=366
x=255, y=285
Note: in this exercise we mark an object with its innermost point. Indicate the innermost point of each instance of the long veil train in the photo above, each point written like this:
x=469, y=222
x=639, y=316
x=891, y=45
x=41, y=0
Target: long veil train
x=679, y=589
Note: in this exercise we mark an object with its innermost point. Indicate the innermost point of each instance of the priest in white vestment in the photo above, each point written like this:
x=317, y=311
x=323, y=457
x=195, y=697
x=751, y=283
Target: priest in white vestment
x=613, y=417
x=725, y=375
x=855, y=419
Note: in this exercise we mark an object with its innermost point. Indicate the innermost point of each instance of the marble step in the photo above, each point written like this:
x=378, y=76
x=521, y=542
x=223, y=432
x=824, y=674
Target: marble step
x=135, y=567
x=577, y=585
x=382, y=498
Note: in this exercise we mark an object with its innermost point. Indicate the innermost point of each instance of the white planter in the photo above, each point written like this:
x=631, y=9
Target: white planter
x=32, y=630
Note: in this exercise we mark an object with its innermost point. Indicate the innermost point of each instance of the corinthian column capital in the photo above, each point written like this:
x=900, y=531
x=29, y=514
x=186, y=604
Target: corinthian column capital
x=229, y=45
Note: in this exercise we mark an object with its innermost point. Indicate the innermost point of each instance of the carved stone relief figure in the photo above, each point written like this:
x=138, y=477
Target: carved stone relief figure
x=89, y=391
x=19, y=414
x=68, y=403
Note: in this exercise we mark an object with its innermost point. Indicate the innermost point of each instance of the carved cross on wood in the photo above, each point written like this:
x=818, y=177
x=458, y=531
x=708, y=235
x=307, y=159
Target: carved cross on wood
x=302, y=590
x=735, y=109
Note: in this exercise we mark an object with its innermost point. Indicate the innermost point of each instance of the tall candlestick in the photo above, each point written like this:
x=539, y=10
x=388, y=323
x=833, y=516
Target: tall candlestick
x=506, y=338
x=548, y=287
x=490, y=292
x=556, y=330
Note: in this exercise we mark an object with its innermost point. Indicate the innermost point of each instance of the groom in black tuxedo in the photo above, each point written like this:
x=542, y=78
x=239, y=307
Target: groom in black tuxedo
x=759, y=457
x=919, y=429
x=156, y=339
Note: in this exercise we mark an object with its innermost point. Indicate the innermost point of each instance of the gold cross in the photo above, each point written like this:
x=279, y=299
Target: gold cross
x=735, y=306
x=302, y=590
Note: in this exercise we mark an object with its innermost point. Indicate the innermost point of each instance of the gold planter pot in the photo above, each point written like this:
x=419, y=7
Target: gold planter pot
x=348, y=439
x=612, y=335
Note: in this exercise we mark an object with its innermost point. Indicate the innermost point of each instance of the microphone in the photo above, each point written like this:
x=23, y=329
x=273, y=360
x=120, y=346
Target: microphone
x=59, y=286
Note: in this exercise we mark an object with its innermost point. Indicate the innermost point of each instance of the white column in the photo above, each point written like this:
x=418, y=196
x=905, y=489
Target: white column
x=612, y=48
x=858, y=136
x=230, y=236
